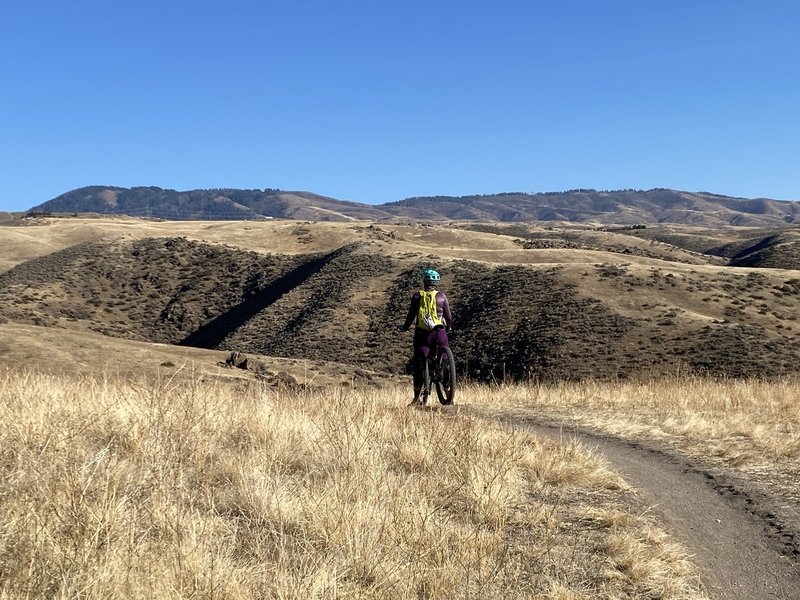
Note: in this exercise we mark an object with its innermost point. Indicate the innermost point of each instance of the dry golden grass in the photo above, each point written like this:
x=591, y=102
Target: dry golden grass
x=164, y=489
x=21, y=243
x=741, y=421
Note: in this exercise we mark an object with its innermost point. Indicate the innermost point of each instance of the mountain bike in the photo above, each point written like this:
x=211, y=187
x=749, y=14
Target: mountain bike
x=439, y=370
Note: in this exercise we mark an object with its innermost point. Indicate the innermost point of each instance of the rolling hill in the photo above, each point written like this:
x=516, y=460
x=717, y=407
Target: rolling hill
x=530, y=302
x=626, y=207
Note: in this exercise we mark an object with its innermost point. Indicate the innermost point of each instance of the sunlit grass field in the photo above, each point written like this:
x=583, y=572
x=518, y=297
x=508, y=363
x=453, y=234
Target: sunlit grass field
x=742, y=422
x=184, y=488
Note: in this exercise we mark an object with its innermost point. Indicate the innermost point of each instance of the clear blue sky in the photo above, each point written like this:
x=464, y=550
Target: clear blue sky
x=377, y=101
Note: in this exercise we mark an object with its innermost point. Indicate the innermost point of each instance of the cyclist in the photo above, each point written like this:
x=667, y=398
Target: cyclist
x=431, y=311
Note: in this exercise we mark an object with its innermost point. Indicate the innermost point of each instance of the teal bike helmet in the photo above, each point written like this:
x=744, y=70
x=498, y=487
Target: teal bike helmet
x=431, y=275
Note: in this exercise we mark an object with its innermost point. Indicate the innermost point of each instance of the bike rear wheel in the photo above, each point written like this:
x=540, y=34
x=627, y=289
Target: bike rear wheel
x=446, y=380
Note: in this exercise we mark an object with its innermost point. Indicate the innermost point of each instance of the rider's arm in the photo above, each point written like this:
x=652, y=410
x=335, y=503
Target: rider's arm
x=448, y=316
x=412, y=311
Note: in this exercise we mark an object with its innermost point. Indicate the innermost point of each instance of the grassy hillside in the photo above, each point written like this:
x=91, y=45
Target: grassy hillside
x=592, y=308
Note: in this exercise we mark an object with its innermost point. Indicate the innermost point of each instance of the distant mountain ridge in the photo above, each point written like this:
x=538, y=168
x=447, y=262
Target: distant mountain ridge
x=621, y=207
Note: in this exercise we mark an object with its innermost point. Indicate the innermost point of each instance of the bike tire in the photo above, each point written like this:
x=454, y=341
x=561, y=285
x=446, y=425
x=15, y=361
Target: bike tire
x=446, y=381
x=426, y=381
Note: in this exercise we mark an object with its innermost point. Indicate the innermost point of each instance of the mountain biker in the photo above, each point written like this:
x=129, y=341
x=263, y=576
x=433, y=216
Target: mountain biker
x=430, y=309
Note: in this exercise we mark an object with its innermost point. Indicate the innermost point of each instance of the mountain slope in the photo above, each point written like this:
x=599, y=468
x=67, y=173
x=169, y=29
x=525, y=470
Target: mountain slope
x=627, y=207
x=214, y=204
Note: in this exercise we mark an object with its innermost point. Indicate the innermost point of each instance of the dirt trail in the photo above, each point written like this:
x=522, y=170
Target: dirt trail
x=743, y=550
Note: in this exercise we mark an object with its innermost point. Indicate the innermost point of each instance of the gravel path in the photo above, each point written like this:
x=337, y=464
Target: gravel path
x=744, y=552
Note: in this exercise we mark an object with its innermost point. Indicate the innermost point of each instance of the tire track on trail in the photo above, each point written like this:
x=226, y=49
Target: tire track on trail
x=742, y=551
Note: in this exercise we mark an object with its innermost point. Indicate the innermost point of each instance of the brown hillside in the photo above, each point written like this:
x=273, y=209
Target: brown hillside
x=778, y=251
x=585, y=305
x=745, y=247
x=617, y=207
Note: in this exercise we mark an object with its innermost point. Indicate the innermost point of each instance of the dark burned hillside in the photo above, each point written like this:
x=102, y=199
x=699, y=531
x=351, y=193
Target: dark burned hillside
x=774, y=251
x=158, y=290
x=512, y=321
x=775, y=248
